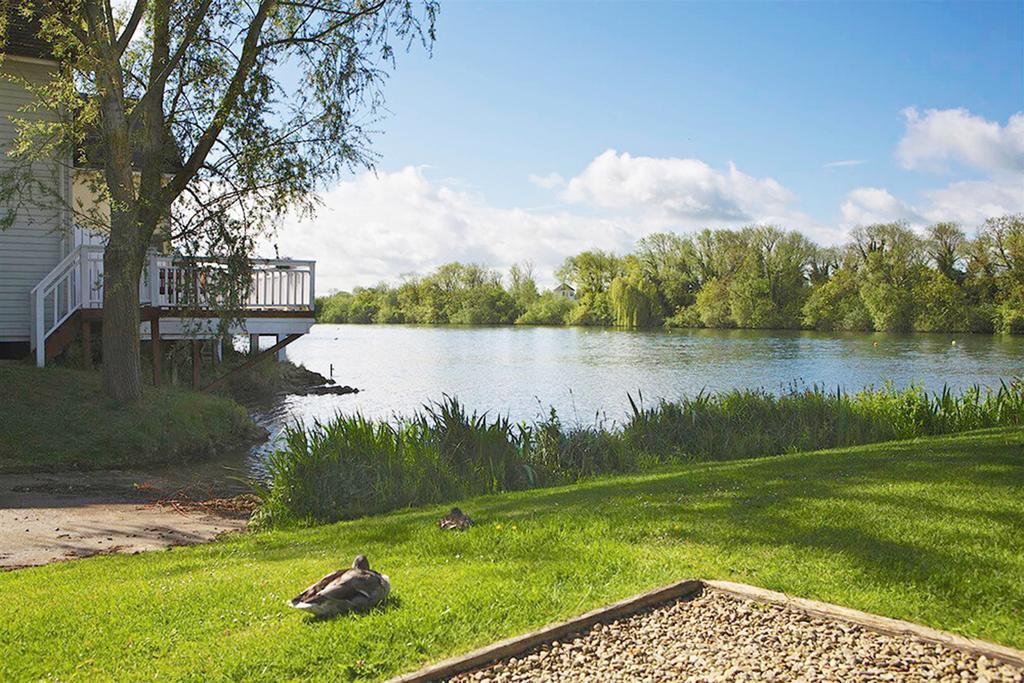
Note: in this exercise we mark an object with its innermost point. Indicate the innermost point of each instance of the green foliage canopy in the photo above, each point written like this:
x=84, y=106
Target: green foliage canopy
x=887, y=278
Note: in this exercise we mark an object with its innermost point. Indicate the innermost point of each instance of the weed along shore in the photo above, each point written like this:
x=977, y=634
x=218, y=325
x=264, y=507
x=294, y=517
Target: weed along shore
x=354, y=466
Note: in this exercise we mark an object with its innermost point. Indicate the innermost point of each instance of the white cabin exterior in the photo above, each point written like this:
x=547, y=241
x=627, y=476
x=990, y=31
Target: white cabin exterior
x=51, y=272
x=565, y=291
x=36, y=241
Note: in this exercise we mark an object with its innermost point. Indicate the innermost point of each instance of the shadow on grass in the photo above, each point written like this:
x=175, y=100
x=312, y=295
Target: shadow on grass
x=822, y=502
x=394, y=602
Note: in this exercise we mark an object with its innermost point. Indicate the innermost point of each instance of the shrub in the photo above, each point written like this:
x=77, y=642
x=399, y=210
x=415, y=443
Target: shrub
x=892, y=307
x=837, y=305
x=1010, y=313
x=550, y=309
x=713, y=304
x=942, y=307
x=685, y=316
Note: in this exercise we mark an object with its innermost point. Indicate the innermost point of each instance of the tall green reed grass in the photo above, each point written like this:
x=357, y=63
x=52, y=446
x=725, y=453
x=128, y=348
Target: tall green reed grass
x=352, y=466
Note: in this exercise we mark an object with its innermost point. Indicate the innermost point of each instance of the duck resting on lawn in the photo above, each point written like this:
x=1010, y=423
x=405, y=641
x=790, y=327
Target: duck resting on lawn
x=347, y=590
x=455, y=520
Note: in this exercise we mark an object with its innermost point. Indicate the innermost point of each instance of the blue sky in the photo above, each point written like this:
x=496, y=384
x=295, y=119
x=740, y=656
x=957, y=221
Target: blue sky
x=680, y=91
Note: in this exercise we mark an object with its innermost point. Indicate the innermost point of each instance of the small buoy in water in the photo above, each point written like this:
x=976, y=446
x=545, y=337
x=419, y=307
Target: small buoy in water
x=953, y=342
x=874, y=343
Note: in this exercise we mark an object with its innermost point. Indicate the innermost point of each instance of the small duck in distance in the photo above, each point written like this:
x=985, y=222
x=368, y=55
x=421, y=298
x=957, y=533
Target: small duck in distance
x=455, y=520
x=357, y=589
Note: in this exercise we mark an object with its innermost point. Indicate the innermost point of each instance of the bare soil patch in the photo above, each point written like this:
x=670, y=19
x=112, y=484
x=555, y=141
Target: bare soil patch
x=48, y=518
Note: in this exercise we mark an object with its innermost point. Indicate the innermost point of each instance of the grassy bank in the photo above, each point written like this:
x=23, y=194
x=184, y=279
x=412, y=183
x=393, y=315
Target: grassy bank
x=352, y=466
x=56, y=418
x=926, y=530
x=265, y=382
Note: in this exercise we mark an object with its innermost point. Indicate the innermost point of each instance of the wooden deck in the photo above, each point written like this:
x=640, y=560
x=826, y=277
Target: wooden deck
x=280, y=300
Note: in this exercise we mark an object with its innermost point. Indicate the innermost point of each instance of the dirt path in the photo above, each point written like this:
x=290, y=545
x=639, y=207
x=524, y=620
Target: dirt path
x=48, y=518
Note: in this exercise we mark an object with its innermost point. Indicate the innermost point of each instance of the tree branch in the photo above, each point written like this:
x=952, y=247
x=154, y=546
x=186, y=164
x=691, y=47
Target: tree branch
x=129, y=29
x=159, y=77
x=108, y=16
x=213, y=130
x=53, y=10
x=349, y=17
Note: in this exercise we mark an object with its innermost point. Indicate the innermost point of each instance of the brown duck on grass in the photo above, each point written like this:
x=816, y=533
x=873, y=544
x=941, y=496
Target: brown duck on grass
x=455, y=520
x=347, y=590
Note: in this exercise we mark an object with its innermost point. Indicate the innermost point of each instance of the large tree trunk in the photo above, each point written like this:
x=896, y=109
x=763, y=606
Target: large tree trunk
x=122, y=367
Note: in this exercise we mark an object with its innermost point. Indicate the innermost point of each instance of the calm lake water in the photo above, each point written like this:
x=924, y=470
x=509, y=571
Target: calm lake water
x=585, y=373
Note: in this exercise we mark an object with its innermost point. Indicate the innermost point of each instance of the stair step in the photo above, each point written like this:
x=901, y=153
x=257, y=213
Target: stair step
x=63, y=336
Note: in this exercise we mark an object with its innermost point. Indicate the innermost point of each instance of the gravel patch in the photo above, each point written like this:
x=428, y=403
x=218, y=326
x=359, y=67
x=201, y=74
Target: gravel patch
x=718, y=637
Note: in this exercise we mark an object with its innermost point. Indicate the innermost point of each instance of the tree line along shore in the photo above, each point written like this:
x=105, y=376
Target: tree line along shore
x=886, y=278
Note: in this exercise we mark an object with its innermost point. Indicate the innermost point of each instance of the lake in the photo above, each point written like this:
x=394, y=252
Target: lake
x=585, y=373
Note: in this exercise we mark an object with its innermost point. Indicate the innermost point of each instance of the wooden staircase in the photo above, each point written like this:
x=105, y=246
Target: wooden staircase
x=62, y=337
x=77, y=326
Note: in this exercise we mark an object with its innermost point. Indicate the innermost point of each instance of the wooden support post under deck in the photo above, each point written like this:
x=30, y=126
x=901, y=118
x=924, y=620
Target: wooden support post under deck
x=87, y=343
x=252, y=361
x=154, y=336
x=195, y=364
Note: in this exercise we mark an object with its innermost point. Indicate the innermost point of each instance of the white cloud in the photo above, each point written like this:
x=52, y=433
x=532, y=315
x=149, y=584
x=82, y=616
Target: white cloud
x=674, y=188
x=971, y=202
x=930, y=142
x=866, y=205
x=939, y=136
x=968, y=203
x=377, y=227
x=549, y=181
x=844, y=163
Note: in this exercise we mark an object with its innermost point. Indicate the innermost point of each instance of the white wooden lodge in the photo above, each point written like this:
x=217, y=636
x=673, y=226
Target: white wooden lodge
x=566, y=291
x=51, y=271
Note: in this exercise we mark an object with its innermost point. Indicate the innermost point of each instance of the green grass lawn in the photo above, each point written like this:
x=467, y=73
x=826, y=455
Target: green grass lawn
x=928, y=530
x=56, y=418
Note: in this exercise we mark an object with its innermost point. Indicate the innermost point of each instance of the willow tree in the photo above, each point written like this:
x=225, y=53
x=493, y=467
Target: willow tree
x=633, y=301
x=257, y=102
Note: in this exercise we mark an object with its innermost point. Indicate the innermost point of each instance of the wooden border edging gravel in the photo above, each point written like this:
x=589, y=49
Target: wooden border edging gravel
x=517, y=645
x=511, y=647
x=873, y=622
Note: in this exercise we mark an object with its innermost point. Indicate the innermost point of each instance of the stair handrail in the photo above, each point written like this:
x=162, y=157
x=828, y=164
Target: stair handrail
x=56, y=271
x=67, y=271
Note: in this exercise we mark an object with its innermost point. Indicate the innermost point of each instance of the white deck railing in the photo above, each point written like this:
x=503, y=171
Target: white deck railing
x=167, y=282
x=275, y=284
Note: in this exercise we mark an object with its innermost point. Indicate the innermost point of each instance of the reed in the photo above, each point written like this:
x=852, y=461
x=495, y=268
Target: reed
x=353, y=466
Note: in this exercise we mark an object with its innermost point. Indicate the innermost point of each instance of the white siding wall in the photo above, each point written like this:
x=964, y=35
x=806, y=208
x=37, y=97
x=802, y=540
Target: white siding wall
x=33, y=245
